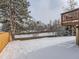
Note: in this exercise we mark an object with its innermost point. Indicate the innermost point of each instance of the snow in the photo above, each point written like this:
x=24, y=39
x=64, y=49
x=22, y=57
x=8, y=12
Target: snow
x=62, y=51
x=45, y=48
x=36, y=35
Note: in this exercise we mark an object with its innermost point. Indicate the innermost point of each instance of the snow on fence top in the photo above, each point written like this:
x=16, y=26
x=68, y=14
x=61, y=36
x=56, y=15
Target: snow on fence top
x=35, y=35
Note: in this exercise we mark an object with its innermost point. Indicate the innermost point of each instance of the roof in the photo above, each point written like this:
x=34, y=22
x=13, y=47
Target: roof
x=70, y=11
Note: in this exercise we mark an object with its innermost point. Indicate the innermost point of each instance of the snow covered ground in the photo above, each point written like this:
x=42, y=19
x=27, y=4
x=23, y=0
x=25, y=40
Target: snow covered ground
x=44, y=48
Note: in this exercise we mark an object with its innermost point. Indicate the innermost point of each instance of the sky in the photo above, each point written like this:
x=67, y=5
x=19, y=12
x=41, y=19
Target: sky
x=46, y=10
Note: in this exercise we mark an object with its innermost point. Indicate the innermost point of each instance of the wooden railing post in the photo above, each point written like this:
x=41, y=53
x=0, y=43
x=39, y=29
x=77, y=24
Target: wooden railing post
x=77, y=35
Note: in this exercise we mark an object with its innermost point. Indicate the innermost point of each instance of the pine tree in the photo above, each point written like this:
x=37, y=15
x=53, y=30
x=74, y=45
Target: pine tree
x=12, y=13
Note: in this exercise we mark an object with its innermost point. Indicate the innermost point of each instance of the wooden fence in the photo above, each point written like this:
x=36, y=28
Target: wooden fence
x=5, y=38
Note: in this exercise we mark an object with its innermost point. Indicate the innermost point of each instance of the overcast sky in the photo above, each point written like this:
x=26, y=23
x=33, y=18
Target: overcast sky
x=45, y=10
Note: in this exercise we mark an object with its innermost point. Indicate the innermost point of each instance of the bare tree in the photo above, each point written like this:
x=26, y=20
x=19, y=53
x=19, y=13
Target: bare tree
x=72, y=4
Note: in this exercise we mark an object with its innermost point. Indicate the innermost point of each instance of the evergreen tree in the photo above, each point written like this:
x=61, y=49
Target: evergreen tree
x=20, y=10
x=12, y=14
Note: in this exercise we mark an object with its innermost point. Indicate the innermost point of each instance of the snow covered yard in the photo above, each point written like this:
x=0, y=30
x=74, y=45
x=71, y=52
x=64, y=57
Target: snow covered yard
x=44, y=48
x=67, y=50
